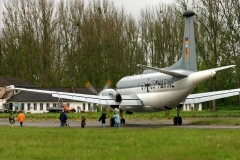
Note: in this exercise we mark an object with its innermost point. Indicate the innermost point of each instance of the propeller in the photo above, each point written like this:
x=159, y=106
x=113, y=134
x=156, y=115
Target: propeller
x=108, y=84
x=93, y=90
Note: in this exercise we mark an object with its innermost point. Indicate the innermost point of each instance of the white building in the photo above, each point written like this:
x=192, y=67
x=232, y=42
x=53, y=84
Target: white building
x=37, y=102
x=5, y=95
x=190, y=107
x=32, y=102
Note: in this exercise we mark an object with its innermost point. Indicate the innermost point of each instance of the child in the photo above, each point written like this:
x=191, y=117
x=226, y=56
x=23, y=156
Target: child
x=103, y=118
x=11, y=119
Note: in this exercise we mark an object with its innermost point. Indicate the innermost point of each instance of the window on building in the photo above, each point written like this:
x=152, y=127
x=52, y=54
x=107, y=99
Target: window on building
x=47, y=105
x=35, y=106
x=54, y=104
x=41, y=106
x=89, y=106
x=84, y=106
x=22, y=106
x=10, y=107
x=28, y=106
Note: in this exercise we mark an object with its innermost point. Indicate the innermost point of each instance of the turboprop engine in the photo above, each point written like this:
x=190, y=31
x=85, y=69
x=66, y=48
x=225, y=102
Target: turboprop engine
x=111, y=92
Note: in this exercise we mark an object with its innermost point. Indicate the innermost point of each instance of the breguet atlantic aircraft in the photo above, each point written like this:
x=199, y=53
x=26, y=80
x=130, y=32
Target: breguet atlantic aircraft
x=156, y=89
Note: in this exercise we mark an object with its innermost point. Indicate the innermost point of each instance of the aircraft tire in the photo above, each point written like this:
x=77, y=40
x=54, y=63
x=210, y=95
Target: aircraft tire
x=179, y=120
x=175, y=120
x=122, y=121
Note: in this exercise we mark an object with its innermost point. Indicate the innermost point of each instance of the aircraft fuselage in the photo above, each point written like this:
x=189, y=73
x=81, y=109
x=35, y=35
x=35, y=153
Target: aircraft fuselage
x=157, y=91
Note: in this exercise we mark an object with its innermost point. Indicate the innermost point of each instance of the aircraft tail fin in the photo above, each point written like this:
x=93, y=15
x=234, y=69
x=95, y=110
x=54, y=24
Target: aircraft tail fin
x=188, y=60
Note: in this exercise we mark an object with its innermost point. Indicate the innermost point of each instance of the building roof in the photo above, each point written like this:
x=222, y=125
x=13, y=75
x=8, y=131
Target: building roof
x=18, y=82
x=24, y=96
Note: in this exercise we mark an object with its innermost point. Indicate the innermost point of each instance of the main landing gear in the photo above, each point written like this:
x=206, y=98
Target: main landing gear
x=177, y=120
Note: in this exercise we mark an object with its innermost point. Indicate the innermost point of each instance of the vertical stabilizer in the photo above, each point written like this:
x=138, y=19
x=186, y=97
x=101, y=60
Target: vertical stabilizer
x=188, y=60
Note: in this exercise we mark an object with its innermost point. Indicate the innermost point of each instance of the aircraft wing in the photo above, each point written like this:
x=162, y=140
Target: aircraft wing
x=208, y=96
x=102, y=100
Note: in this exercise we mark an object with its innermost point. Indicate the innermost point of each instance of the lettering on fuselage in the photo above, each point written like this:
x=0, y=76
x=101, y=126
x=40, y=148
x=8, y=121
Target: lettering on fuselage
x=159, y=83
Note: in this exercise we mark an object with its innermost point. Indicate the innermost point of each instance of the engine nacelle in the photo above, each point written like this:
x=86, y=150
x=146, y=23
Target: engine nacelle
x=111, y=92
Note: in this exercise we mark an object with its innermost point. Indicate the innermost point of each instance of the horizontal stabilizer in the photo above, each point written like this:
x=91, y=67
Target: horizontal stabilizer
x=208, y=96
x=222, y=68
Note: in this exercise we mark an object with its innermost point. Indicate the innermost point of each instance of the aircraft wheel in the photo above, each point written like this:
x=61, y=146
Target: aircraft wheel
x=112, y=122
x=179, y=120
x=175, y=120
x=122, y=121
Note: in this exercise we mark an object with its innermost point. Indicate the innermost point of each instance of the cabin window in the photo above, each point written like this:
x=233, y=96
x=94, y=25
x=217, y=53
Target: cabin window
x=35, y=106
x=41, y=106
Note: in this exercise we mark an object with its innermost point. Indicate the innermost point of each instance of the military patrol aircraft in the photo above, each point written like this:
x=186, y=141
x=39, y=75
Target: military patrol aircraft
x=157, y=89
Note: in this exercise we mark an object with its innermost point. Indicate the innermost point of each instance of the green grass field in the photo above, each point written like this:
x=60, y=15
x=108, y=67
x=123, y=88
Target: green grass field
x=125, y=143
x=114, y=143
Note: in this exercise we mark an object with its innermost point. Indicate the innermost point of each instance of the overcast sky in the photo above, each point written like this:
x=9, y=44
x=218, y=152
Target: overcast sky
x=134, y=6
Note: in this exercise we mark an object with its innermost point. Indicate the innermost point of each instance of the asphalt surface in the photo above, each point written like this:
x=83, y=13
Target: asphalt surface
x=130, y=123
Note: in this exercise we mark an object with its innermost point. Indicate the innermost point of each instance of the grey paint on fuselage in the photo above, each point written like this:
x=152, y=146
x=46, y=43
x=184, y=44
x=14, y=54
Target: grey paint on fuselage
x=147, y=82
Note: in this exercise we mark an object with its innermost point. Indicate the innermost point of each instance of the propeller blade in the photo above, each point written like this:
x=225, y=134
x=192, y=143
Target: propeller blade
x=108, y=85
x=91, y=88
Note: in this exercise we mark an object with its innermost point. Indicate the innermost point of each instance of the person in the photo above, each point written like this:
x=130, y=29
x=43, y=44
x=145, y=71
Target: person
x=103, y=119
x=116, y=120
x=83, y=121
x=63, y=118
x=21, y=118
x=11, y=119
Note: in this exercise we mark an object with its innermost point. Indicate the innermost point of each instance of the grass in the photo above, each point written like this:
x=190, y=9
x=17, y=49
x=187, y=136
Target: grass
x=113, y=143
x=125, y=143
x=216, y=121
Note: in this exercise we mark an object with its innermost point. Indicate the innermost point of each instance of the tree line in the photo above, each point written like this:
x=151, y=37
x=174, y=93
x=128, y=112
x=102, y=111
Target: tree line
x=66, y=43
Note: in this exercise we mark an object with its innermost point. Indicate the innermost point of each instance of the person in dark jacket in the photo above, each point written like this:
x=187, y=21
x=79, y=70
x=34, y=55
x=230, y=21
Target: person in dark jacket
x=63, y=119
x=103, y=118
x=83, y=121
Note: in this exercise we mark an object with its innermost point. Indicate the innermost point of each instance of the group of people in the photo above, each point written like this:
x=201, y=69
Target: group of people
x=63, y=119
x=21, y=118
x=115, y=118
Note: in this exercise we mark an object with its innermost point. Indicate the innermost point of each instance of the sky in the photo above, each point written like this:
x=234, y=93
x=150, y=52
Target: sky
x=134, y=6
